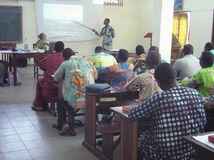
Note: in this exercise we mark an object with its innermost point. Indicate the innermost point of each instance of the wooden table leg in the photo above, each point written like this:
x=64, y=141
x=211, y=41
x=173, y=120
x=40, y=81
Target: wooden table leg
x=14, y=68
x=90, y=121
x=129, y=136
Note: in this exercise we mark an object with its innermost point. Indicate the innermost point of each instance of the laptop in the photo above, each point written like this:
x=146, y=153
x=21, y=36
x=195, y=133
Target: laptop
x=51, y=46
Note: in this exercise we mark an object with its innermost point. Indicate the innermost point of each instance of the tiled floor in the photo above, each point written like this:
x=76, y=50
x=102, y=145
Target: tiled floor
x=28, y=135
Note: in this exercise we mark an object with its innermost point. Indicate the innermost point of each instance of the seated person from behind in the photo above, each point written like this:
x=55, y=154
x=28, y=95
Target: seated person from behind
x=155, y=48
x=140, y=55
x=102, y=60
x=117, y=74
x=145, y=82
x=204, y=78
x=209, y=47
x=176, y=112
x=46, y=87
x=41, y=44
x=188, y=65
x=76, y=73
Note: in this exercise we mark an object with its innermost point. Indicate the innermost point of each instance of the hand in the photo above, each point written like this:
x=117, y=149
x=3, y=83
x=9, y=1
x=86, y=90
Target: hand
x=93, y=30
x=139, y=64
x=211, y=91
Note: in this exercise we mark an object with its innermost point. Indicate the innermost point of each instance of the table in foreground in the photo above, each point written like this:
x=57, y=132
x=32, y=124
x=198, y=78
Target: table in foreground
x=92, y=102
x=129, y=136
x=203, y=152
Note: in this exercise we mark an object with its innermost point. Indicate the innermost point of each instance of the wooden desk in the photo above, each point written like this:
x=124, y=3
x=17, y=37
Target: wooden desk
x=92, y=102
x=203, y=151
x=129, y=136
x=11, y=58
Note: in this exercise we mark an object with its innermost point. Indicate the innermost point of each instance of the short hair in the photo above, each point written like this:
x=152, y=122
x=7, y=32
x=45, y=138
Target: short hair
x=188, y=49
x=164, y=73
x=99, y=49
x=209, y=46
x=207, y=58
x=154, y=48
x=153, y=57
x=59, y=46
x=123, y=55
x=108, y=20
x=139, y=49
x=41, y=35
x=67, y=53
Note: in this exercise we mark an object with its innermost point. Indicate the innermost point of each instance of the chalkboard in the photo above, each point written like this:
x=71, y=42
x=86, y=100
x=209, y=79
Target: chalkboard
x=10, y=24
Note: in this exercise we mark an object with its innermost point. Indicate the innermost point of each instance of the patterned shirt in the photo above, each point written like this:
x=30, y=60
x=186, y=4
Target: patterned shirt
x=174, y=113
x=116, y=74
x=41, y=45
x=108, y=34
x=76, y=73
x=102, y=60
x=134, y=60
x=203, y=79
x=145, y=83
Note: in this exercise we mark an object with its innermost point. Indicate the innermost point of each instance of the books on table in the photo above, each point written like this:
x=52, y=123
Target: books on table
x=128, y=108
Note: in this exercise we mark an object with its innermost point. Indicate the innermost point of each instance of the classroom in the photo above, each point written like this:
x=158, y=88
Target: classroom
x=122, y=80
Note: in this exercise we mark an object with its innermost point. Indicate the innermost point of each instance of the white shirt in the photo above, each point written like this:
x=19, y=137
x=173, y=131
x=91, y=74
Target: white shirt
x=186, y=66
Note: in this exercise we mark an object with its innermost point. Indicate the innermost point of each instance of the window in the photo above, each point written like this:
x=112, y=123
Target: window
x=113, y=2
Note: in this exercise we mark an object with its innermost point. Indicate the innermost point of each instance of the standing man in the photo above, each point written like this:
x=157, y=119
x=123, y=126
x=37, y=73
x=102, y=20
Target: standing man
x=108, y=34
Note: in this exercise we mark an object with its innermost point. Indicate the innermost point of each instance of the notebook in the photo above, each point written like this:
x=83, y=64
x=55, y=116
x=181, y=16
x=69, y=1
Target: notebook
x=51, y=46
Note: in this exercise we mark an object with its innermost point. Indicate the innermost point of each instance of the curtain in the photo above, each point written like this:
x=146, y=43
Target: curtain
x=180, y=27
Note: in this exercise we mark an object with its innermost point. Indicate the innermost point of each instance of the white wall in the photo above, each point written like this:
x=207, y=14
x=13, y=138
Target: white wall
x=201, y=22
x=127, y=21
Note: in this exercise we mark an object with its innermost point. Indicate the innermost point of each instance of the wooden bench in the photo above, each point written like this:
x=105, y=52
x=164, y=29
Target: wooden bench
x=108, y=145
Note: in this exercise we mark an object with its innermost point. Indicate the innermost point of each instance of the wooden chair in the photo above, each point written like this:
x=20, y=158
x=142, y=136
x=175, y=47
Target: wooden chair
x=36, y=67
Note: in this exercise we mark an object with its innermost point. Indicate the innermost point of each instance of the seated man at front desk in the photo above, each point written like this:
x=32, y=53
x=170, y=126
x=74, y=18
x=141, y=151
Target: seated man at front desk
x=46, y=87
x=117, y=75
x=176, y=112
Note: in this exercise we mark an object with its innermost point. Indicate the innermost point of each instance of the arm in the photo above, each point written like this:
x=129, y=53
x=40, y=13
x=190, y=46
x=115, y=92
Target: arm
x=60, y=73
x=43, y=63
x=143, y=110
x=98, y=34
x=113, y=33
x=193, y=82
x=134, y=84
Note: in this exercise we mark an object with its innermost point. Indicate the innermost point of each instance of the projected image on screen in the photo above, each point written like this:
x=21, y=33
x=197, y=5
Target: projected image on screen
x=59, y=20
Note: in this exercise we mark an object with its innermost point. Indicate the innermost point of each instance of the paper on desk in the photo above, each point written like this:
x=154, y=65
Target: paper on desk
x=204, y=139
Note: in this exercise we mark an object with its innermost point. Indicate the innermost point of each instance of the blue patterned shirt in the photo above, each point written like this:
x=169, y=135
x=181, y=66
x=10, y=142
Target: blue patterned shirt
x=175, y=113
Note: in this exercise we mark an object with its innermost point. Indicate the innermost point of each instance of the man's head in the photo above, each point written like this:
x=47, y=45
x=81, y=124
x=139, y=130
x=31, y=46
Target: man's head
x=165, y=76
x=122, y=55
x=208, y=46
x=139, y=50
x=106, y=21
x=99, y=49
x=152, y=59
x=59, y=46
x=154, y=48
x=206, y=59
x=67, y=53
x=188, y=49
x=42, y=36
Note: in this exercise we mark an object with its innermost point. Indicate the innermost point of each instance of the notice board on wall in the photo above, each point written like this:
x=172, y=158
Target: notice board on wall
x=10, y=24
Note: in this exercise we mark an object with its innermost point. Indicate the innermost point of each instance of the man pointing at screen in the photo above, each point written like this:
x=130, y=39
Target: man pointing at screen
x=108, y=34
